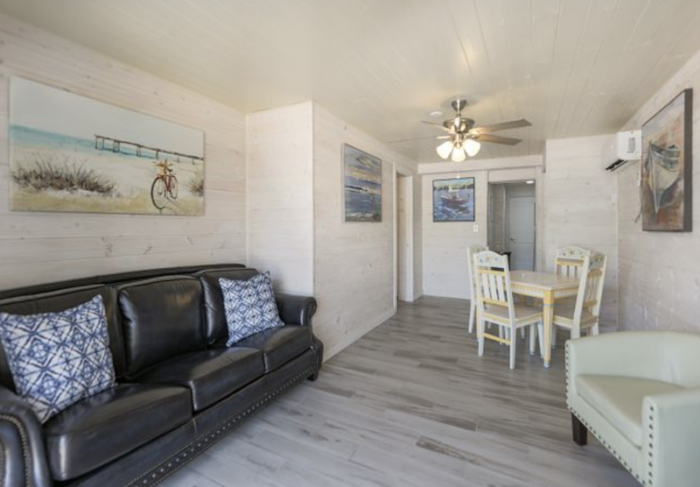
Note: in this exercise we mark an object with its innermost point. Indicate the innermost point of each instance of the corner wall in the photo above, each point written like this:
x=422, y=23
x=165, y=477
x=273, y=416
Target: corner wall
x=581, y=208
x=660, y=272
x=42, y=247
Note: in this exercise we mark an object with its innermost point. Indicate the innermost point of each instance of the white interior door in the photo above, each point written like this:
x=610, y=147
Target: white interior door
x=521, y=232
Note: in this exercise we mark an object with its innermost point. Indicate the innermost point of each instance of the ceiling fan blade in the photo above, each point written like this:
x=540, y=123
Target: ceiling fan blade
x=496, y=139
x=513, y=124
x=438, y=125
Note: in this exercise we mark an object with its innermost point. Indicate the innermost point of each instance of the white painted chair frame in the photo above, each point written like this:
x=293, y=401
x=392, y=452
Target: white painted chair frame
x=493, y=289
x=471, y=252
x=586, y=312
x=568, y=262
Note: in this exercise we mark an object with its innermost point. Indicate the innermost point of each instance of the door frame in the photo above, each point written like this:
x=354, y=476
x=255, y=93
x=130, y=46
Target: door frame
x=405, y=178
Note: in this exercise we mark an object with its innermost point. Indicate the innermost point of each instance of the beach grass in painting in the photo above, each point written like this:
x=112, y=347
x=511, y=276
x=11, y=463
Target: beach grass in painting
x=666, y=167
x=362, y=184
x=453, y=200
x=74, y=154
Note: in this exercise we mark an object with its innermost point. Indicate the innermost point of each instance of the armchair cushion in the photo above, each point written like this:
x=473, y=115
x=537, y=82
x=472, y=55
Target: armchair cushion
x=620, y=399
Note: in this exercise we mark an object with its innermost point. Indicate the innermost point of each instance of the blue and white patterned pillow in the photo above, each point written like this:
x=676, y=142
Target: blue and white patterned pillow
x=57, y=359
x=250, y=306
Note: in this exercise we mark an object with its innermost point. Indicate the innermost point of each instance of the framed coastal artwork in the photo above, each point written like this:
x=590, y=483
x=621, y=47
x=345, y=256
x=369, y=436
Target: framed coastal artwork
x=75, y=154
x=453, y=200
x=362, y=186
x=666, y=172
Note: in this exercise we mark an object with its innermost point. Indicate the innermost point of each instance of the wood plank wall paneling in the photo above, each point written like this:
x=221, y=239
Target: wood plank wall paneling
x=279, y=156
x=660, y=272
x=581, y=208
x=353, y=262
x=43, y=247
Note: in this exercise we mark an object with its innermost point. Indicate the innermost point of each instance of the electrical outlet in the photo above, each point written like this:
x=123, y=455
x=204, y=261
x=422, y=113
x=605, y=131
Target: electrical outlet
x=476, y=228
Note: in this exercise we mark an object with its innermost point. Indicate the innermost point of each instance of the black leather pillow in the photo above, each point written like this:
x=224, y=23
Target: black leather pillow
x=161, y=318
x=215, y=315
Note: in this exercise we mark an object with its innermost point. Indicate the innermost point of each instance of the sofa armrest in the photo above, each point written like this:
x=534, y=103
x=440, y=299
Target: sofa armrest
x=22, y=455
x=296, y=310
x=671, y=438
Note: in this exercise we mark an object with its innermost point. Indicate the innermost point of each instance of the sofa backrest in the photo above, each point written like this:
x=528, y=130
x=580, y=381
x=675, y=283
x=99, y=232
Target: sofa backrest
x=60, y=300
x=216, y=331
x=161, y=318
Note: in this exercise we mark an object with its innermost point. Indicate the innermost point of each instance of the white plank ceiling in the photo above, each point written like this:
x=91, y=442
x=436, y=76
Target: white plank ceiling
x=571, y=67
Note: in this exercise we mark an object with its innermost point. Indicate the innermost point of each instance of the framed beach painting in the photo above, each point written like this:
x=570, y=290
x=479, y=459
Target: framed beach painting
x=362, y=186
x=453, y=200
x=666, y=172
x=75, y=154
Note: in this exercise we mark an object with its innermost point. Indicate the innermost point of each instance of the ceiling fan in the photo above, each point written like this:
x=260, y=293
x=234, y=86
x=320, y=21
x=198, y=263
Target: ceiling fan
x=464, y=139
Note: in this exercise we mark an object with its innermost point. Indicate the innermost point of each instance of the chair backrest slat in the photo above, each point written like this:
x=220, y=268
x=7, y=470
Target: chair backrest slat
x=569, y=261
x=590, y=291
x=471, y=252
x=493, y=281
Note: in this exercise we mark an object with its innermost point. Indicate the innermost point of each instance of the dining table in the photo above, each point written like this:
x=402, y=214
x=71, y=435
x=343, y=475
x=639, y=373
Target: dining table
x=548, y=287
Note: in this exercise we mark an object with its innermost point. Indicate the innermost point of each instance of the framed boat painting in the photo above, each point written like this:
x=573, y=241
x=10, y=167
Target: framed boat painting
x=666, y=172
x=453, y=200
x=362, y=186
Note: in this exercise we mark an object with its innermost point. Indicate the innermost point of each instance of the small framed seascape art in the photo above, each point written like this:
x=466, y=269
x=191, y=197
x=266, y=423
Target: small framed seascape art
x=666, y=172
x=453, y=200
x=362, y=186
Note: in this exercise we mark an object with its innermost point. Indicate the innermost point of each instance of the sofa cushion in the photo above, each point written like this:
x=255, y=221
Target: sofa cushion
x=619, y=399
x=57, y=359
x=279, y=345
x=215, y=316
x=99, y=429
x=250, y=307
x=210, y=375
x=161, y=318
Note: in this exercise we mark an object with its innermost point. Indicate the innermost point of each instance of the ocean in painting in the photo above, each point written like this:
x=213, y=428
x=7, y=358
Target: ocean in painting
x=453, y=200
x=362, y=186
x=70, y=153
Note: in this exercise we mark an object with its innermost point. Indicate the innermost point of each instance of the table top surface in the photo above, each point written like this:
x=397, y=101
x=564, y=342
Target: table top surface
x=543, y=280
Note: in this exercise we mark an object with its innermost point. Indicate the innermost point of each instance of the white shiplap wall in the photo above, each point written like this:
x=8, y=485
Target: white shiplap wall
x=42, y=247
x=353, y=262
x=279, y=152
x=660, y=272
x=581, y=208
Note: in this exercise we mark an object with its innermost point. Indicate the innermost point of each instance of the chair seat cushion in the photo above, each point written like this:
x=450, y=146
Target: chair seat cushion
x=522, y=313
x=279, y=345
x=619, y=400
x=210, y=375
x=101, y=428
x=564, y=314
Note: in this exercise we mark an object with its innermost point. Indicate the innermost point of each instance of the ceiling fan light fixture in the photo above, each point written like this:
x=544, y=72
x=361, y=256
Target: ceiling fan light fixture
x=472, y=147
x=445, y=149
x=459, y=155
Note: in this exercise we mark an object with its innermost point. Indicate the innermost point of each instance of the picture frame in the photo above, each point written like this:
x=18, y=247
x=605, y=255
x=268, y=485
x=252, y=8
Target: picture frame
x=454, y=200
x=362, y=186
x=666, y=167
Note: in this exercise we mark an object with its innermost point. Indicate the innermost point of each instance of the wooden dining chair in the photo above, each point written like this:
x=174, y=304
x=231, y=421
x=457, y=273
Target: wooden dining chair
x=471, y=251
x=584, y=314
x=495, y=304
x=569, y=260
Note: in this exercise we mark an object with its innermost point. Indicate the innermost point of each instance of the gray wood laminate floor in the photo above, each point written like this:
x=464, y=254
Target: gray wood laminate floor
x=411, y=404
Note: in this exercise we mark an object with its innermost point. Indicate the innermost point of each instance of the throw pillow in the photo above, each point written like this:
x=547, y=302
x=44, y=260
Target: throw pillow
x=57, y=359
x=250, y=306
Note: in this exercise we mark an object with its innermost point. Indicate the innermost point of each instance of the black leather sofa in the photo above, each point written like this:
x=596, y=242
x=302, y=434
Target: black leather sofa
x=179, y=388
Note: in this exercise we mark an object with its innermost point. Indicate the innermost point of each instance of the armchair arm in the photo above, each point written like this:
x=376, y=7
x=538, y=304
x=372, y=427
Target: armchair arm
x=663, y=356
x=22, y=456
x=671, y=438
x=296, y=310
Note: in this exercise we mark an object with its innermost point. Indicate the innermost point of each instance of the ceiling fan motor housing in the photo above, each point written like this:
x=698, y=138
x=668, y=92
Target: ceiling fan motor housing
x=465, y=124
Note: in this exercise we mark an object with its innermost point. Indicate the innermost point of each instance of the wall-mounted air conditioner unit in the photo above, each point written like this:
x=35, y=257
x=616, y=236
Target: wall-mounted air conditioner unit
x=622, y=148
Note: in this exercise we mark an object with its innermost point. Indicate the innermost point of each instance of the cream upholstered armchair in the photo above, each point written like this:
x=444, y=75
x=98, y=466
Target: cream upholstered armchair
x=639, y=394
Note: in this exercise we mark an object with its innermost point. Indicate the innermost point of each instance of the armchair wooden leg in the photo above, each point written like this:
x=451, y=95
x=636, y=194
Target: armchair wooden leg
x=580, y=431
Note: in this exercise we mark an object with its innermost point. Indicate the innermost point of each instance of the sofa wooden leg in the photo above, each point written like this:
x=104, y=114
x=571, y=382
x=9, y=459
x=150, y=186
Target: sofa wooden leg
x=314, y=376
x=580, y=431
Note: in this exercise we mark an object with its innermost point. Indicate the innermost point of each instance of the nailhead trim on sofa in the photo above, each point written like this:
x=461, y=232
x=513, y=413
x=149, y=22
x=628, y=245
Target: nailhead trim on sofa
x=26, y=452
x=159, y=473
